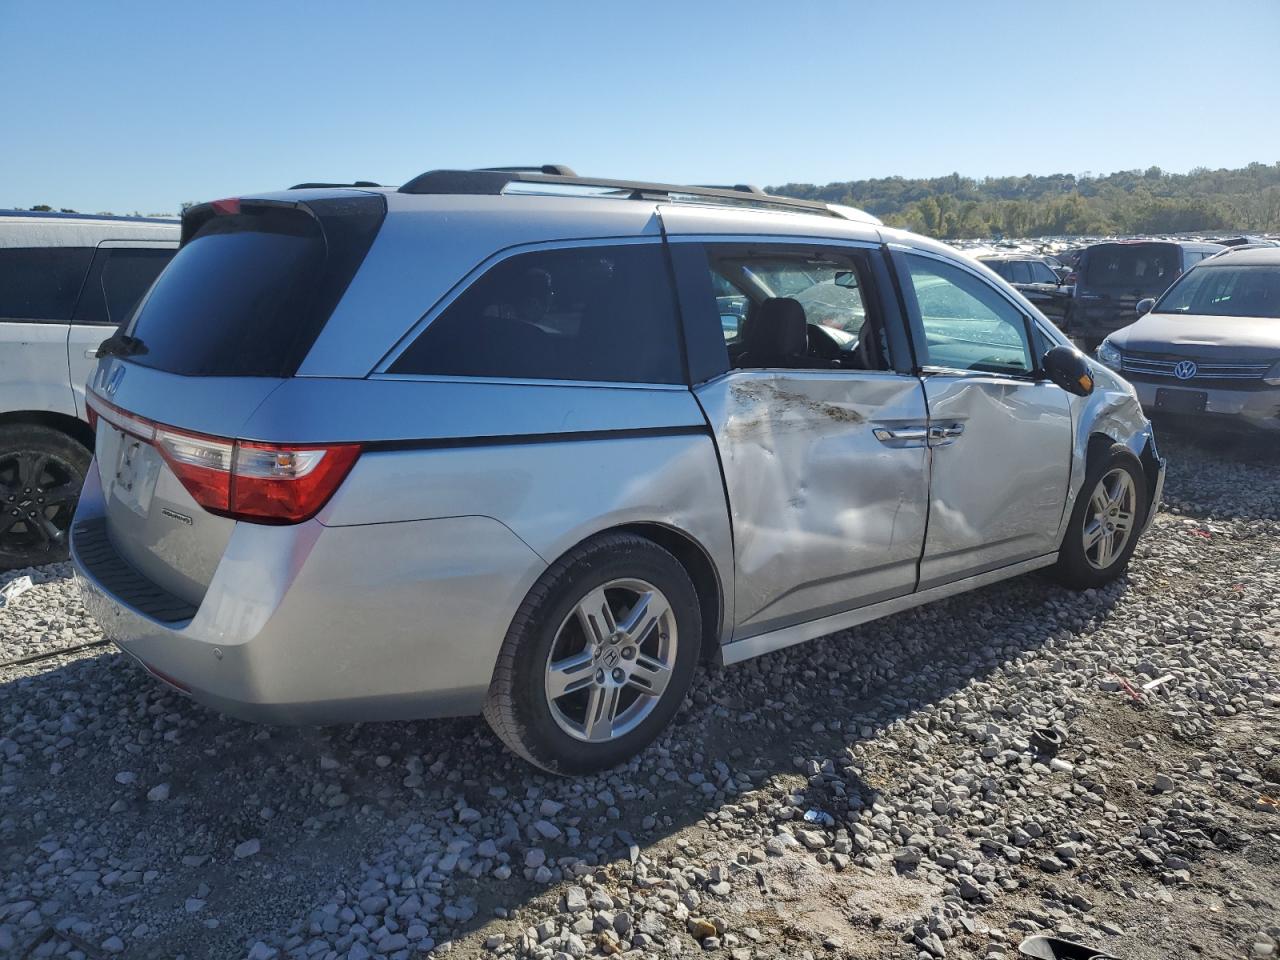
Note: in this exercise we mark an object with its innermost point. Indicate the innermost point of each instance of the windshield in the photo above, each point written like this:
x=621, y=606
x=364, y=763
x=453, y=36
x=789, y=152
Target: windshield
x=1240, y=291
x=1140, y=268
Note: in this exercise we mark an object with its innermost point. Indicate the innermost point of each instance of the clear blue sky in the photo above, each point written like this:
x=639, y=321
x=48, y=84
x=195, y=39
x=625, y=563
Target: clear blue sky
x=138, y=106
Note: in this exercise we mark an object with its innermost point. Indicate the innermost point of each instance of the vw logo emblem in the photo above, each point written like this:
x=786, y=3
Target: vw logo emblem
x=1185, y=370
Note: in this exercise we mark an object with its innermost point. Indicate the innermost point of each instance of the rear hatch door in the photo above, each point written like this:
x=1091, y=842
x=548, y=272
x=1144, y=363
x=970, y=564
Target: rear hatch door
x=1117, y=275
x=226, y=323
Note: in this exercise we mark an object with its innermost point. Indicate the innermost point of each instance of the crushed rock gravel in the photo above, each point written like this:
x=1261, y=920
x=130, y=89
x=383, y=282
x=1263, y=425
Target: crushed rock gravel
x=941, y=783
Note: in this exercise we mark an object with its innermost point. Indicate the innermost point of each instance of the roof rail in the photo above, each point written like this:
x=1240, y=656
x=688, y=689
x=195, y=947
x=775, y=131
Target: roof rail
x=555, y=169
x=325, y=186
x=493, y=181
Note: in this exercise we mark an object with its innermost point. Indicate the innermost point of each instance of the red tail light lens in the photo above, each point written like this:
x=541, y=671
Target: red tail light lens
x=287, y=483
x=1072, y=278
x=202, y=463
x=244, y=480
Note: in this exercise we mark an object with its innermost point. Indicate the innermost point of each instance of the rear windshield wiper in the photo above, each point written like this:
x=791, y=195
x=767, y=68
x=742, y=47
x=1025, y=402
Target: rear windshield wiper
x=121, y=345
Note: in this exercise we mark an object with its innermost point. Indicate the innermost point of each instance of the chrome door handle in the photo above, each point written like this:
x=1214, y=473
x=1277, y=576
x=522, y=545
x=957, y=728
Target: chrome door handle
x=902, y=435
x=940, y=436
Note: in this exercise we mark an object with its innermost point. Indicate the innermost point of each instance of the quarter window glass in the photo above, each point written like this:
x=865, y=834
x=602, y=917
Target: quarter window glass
x=967, y=324
x=1019, y=272
x=41, y=283
x=586, y=313
x=117, y=280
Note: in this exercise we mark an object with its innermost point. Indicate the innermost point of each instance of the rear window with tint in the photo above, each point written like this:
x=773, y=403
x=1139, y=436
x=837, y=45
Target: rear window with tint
x=247, y=294
x=41, y=283
x=1146, y=268
x=585, y=313
x=117, y=280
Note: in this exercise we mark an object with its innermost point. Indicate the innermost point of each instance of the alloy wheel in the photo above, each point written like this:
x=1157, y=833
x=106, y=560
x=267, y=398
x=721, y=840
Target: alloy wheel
x=1108, y=520
x=611, y=660
x=38, y=493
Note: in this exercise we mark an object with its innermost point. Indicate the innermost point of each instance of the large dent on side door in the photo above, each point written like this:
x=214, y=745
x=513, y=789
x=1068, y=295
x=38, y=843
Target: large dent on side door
x=825, y=516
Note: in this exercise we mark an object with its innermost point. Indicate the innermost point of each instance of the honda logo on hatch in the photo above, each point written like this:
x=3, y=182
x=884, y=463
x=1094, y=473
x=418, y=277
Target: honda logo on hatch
x=113, y=381
x=1185, y=370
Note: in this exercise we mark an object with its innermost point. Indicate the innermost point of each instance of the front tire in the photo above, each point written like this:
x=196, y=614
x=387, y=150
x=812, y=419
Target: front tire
x=598, y=658
x=41, y=473
x=1108, y=516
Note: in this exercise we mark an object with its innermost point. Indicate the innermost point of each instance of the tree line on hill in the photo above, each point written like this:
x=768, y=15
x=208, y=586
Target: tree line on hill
x=1244, y=200
x=1128, y=202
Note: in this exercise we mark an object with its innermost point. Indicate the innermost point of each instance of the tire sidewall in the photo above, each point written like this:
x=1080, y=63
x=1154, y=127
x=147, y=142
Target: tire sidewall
x=552, y=747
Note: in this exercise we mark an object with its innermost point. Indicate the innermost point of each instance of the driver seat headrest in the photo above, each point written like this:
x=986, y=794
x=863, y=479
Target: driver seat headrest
x=776, y=333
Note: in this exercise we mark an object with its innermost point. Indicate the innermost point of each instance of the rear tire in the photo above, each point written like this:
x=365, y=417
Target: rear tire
x=598, y=658
x=1108, y=516
x=41, y=474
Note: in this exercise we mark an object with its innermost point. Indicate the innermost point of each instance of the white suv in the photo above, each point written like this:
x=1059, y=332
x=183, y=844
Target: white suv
x=66, y=282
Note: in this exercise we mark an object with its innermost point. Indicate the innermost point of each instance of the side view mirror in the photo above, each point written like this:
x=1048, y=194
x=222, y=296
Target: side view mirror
x=1069, y=370
x=1144, y=306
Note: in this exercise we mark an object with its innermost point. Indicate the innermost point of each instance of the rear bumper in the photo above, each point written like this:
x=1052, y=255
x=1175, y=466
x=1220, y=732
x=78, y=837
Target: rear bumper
x=315, y=624
x=1249, y=408
x=1094, y=321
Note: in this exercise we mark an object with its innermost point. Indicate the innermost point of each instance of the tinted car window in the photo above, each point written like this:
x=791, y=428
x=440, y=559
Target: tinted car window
x=1041, y=273
x=585, y=313
x=1019, y=272
x=248, y=292
x=116, y=282
x=1220, y=291
x=41, y=283
x=1146, y=268
x=967, y=324
x=1001, y=267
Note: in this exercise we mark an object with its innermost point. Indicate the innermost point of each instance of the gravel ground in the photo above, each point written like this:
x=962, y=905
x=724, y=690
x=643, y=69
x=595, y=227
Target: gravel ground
x=890, y=791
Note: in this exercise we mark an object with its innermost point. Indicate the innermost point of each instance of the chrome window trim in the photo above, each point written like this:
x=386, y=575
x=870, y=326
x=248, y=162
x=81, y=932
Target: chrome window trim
x=479, y=270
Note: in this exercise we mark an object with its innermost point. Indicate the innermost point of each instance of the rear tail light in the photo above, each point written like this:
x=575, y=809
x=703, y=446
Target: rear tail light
x=1072, y=278
x=244, y=480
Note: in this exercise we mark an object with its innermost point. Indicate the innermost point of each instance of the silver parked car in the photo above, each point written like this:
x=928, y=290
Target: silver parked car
x=66, y=282
x=486, y=443
x=1209, y=348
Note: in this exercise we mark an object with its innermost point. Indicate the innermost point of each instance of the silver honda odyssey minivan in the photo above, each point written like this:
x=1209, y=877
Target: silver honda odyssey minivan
x=534, y=445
